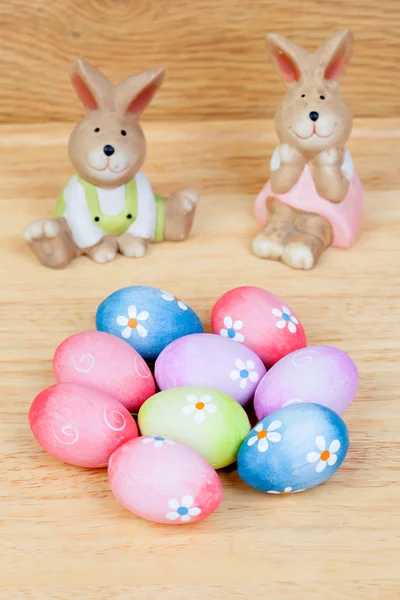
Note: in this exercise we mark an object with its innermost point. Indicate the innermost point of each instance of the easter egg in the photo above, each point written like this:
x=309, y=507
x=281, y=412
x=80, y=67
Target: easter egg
x=259, y=320
x=209, y=421
x=293, y=449
x=147, y=318
x=104, y=362
x=204, y=359
x=79, y=425
x=164, y=481
x=318, y=374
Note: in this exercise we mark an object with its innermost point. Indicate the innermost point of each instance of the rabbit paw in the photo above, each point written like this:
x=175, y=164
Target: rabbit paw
x=132, y=246
x=42, y=230
x=329, y=158
x=103, y=255
x=267, y=248
x=105, y=251
x=290, y=156
x=284, y=153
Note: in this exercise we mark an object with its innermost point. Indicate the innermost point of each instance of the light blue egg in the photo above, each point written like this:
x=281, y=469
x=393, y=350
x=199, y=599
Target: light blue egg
x=293, y=449
x=147, y=318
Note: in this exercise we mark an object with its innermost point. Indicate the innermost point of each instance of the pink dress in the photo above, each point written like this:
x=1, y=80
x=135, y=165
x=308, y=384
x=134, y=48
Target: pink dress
x=345, y=216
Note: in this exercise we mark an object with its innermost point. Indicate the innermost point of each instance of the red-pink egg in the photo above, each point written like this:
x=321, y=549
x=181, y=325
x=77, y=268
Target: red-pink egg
x=107, y=363
x=164, y=481
x=79, y=425
x=259, y=320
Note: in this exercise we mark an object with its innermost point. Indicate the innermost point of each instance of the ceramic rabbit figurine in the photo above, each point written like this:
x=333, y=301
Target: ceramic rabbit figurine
x=314, y=198
x=109, y=206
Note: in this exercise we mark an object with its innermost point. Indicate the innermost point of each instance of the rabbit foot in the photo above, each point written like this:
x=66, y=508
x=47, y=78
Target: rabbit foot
x=179, y=214
x=103, y=252
x=41, y=230
x=298, y=256
x=132, y=246
x=265, y=247
x=51, y=241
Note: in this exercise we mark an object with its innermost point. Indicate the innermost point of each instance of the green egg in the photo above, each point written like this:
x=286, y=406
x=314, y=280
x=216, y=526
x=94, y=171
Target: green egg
x=209, y=421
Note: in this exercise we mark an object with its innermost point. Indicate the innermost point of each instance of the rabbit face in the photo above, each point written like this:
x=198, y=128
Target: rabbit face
x=313, y=117
x=107, y=149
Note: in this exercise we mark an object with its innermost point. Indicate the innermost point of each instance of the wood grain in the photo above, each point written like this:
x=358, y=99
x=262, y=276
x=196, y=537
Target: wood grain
x=214, y=53
x=63, y=536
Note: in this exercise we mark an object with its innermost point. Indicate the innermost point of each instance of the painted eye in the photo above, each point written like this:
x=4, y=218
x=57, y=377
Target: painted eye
x=303, y=95
x=322, y=97
x=97, y=130
x=123, y=132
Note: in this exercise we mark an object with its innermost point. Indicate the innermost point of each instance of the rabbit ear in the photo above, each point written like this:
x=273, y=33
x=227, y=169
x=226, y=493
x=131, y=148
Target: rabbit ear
x=288, y=57
x=92, y=87
x=134, y=94
x=335, y=54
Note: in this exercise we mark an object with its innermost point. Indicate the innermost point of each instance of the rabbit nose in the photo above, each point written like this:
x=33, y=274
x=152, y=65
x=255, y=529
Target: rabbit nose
x=313, y=115
x=108, y=150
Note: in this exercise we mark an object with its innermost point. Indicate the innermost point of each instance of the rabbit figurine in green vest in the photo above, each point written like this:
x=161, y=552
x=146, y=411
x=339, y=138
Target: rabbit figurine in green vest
x=108, y=206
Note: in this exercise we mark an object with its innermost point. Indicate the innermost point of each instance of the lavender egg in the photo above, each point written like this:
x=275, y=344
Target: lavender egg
x=204, y=359
x=318, y=374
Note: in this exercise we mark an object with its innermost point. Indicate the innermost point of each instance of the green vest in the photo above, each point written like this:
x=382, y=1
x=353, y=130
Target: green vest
x=119, y=223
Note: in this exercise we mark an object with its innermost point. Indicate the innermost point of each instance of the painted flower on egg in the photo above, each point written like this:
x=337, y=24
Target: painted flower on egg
x=171, y=298
x=263, y=435
x=244, y=372
x=183, y=510
x=292, y=401
x=287, y=490
x=199, y=407
x=157, y=441
x=325, y=456
x=285, y=318
x=232, y=330
x=131, y=322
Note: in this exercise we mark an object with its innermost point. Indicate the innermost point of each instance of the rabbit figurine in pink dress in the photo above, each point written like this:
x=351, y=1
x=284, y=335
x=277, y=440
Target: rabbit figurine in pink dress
x=314, y=198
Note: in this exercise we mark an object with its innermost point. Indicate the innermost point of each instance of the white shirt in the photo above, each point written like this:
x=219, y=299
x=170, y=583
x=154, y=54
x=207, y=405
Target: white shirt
x=112, y=201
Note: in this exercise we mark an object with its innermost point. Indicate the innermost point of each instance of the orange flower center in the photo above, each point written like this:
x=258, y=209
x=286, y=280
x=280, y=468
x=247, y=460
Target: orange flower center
x=325, y=455
x=177, y=299
x=285, y=492
x=200, y=405
x=262, y=434
x=132, y=323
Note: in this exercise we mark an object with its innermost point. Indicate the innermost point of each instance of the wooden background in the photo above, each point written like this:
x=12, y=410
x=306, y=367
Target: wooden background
x=62, y=534
x=213, y=50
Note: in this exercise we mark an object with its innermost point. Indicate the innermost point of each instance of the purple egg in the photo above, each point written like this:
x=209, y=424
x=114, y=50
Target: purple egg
x=205, y=359
x=317, y=374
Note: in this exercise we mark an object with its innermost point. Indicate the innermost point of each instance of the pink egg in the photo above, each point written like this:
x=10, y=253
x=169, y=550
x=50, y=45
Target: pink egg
x=107, y=363
x=79, y=425
x=259, y=320
x=318, y=374
x=164, y=481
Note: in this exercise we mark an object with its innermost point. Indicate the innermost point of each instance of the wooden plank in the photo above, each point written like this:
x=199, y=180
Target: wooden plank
x=214, y=53
x=223, y=157
x=63, y=536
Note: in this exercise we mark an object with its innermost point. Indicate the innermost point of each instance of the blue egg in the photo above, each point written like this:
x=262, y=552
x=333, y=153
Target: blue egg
x=147, y=318
x=293, y=449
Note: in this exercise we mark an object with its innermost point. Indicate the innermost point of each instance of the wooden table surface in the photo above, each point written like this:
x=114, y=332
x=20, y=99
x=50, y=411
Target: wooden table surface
x=63, y=536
